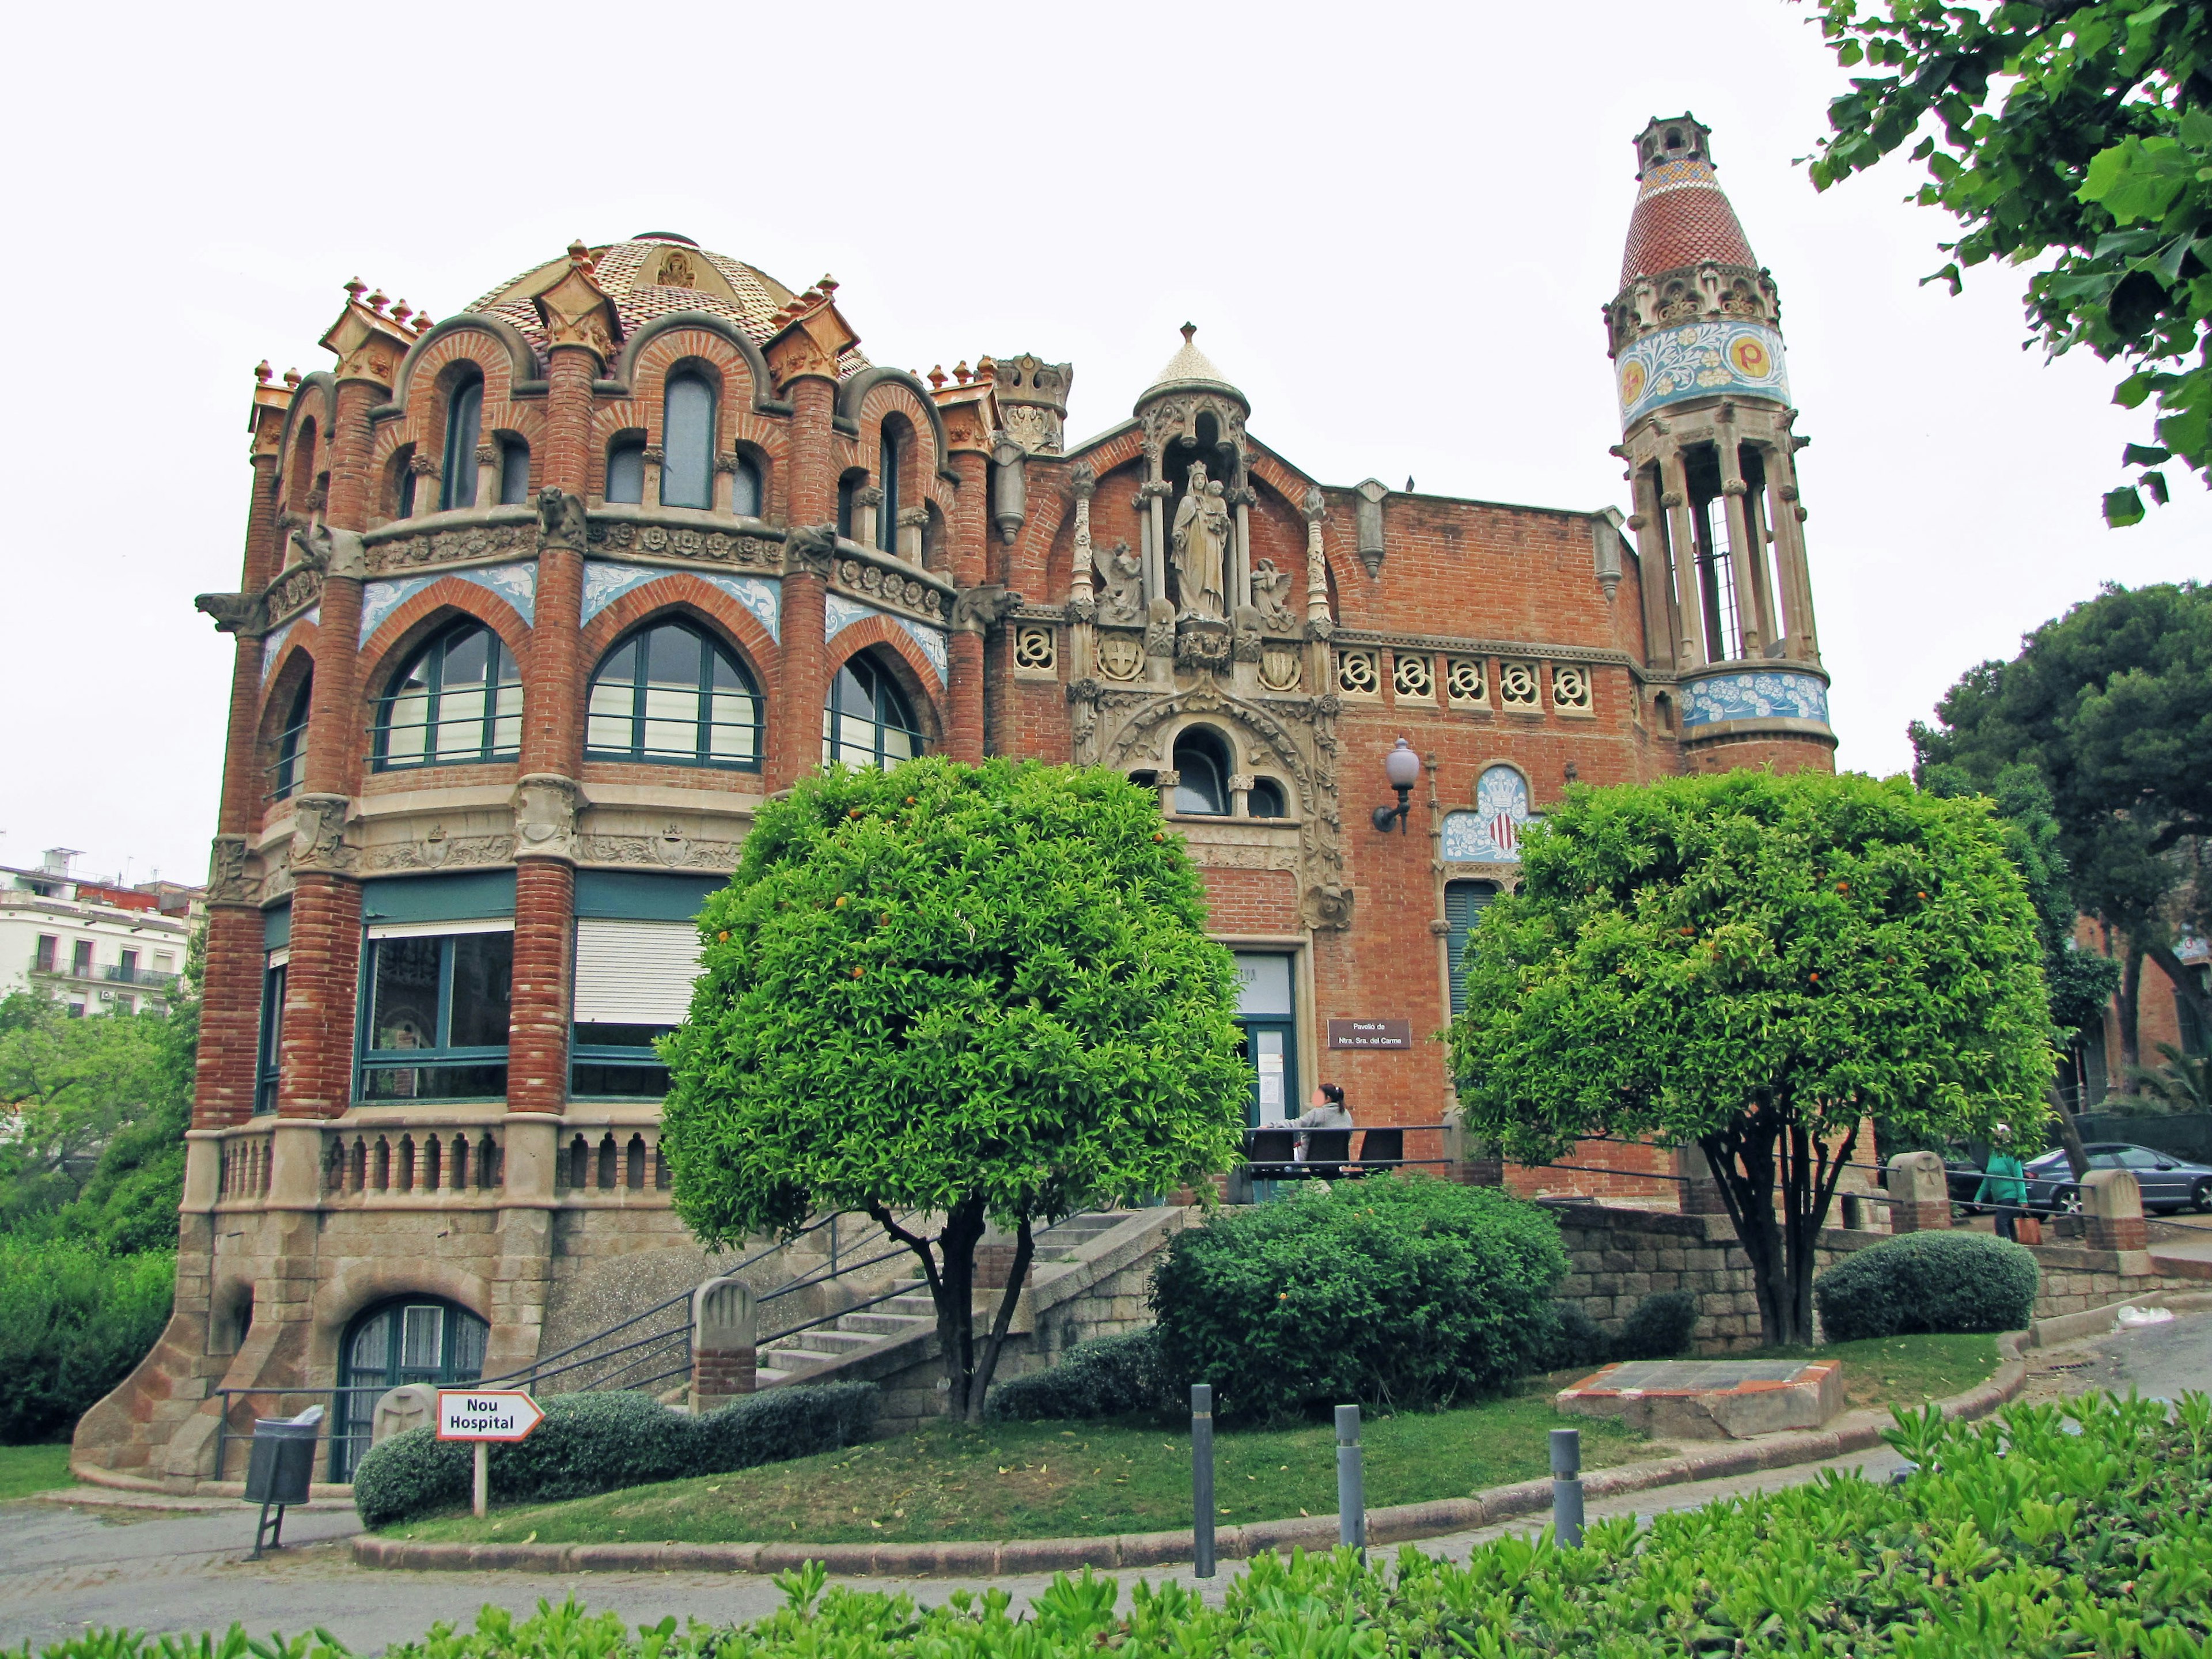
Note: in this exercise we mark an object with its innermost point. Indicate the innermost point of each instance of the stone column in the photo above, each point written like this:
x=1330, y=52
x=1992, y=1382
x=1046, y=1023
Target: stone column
x=1082, y=601
x=724, y=1333
x=2113, y=1212
x=1240, y=578
x=1690, y=648
x=1660, y=635
x=1789, y=544
x=1319, y=622
x=488, y=470
x=1751, y=625
x=1919, y=1194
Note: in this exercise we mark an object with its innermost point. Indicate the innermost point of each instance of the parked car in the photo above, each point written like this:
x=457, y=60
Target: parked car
x=2168, y=1182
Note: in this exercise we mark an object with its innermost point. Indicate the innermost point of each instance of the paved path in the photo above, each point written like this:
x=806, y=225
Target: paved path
x=63, y=1570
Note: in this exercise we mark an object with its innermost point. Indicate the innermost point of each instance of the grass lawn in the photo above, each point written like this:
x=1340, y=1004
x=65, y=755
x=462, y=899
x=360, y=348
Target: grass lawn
x=1057, y=1481
x=27, y=1469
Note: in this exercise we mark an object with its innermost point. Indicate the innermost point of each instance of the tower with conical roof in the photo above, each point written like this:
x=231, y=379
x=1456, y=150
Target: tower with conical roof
x=1707, y=430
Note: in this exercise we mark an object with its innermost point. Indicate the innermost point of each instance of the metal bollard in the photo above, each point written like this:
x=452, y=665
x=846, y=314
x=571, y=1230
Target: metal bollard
x=1351, y=1486
x=1201, y=1480
x=1567, y=1488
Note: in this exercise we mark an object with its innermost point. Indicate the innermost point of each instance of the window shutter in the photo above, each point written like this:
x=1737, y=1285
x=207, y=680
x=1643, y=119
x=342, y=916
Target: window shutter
x=635, y=973
x=1463, y=902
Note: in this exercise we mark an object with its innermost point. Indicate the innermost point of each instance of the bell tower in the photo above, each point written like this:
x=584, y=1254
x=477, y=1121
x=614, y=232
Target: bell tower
x=1695, y=336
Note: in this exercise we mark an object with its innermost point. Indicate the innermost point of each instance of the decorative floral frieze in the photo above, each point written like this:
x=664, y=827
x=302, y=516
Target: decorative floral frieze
x=1757, y=695
x=748, y=550
x=411, y=551
x=891, y=586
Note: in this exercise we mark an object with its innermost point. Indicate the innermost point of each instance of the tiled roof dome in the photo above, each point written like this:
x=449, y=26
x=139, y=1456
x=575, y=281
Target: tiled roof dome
x=654, y=274
x=1682, y=214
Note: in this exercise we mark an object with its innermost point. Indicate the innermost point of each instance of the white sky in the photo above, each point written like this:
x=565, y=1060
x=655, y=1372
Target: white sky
x=1393, y=224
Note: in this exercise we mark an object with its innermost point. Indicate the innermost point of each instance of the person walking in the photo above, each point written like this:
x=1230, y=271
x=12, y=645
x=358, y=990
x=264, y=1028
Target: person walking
x=2004, y=1182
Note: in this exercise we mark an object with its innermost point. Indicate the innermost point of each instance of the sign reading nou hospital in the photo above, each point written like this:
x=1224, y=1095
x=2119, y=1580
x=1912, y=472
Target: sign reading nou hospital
x=1371, y=1034
x=486, y=1414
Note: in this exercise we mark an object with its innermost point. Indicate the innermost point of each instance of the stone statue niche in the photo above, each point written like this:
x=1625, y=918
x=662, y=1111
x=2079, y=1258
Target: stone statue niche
x=1201, y=542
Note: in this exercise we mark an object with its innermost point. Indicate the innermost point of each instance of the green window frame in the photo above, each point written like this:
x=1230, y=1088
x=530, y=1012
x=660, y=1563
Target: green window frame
x=670, y=693
x=458, y=699
x=288, y=769
x=435, y=1009
x=409, y=1339
x=866, y=720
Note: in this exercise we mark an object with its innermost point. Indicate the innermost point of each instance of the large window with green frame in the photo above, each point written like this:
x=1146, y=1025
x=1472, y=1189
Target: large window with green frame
x=436, y=1001
x=411, y=1339
x=458, y=699
x=866, y=720
x=670, y=693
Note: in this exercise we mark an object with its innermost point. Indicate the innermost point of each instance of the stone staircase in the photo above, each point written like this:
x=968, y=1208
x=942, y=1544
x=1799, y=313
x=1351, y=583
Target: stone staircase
x=906, y=1311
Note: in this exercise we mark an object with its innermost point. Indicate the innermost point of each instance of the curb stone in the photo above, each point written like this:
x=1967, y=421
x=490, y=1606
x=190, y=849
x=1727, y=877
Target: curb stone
x=1859, y=1430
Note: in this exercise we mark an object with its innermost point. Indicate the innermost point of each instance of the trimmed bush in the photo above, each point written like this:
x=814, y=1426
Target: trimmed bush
x=1577, y=1342
x=1402, y=1292
x=1106, y=1377
x=594, y=1442
x=1927, y=1282
x=1659, y=1328
x=74, y=1320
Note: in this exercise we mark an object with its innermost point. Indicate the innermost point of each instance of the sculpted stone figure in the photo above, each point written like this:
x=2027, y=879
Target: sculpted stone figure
x=561, y=519
x=333, y=551
x=1270, y=587
x=1121, y=579
x=1200, y=543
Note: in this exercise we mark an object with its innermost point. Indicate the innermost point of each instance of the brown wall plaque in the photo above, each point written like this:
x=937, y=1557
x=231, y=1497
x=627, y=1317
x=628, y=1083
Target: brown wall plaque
x=1371, y=1034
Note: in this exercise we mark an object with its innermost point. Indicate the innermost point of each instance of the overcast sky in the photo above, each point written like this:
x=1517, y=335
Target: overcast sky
x=1394, y=226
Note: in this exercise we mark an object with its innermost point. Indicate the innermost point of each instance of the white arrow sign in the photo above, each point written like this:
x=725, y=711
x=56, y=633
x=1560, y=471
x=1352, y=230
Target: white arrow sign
x=486, y=1414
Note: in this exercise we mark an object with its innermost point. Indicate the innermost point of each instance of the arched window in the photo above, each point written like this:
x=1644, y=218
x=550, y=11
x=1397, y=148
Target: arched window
x=687, y=443
x=745, y=488
x=1265, y=799
x=464, y=426
x=411, y=1339
x=403, y=483
x=866, y=719
x=461, y=699
x=890, y=456
x=1202, y=760
x=669, y=693
x=513, y=472
x=292, y=746
x=626, y=469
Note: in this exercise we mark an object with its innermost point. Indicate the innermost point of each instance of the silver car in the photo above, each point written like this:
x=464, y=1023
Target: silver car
x=2168, y=1182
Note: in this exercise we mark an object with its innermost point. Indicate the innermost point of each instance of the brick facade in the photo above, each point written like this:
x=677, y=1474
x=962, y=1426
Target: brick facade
x=1030, y=594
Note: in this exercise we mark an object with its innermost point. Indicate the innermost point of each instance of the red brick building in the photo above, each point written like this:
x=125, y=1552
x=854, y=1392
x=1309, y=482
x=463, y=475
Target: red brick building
x=540, y=600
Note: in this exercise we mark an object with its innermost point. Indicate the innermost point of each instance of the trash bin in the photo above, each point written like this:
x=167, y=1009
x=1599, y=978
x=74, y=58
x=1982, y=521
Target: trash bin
x=282, y=1464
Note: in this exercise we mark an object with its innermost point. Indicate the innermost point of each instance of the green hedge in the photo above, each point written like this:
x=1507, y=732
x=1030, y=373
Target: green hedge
x=1402, y=1292
x=1106, y=1377
x=1931, y=1282
x=594, y=1442
x=74, y=1320
x=2042, y=1531
x=1659, y=1328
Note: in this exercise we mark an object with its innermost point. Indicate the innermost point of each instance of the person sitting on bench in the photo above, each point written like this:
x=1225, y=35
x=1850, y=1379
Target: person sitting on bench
x=1327, y=1113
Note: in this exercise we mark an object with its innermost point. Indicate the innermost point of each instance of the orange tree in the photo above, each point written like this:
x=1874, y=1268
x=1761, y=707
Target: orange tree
x=945, y=995
x=1755, y=965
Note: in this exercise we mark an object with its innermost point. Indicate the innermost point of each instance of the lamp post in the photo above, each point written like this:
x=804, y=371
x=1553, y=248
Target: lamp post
x=1403, y=768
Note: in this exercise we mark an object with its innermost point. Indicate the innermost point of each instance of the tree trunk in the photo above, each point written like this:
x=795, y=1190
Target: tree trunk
x=1024, y=1245
x=2070, y=1133
x=2128, y=1001
x=948, y=1262
x=1765, y=1148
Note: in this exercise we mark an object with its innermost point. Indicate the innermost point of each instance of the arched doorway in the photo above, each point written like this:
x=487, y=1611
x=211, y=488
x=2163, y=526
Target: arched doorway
x=409, y=1339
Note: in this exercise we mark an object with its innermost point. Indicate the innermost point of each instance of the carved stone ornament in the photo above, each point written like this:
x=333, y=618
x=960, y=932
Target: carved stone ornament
x=894, y=586
x=1121, y=584
x=233, y=613
x=576, y=311
x=868, y=496
x=227, y=877
x=811, y=548
x=1083, y=480
x=1082, y=610
x=979, y=610
x=1198, y=546
x=463, y=546
x=1246, y=646
x=331, y=551
x=1160, y=630
x=437, y=850
x=318, y=824
x=1327, y=906
x=1121, y=656
x=1315, y=507
x=663, y=541
x=546, y=808
x=561, y=521
x=1205, y=643
x=671, y=849
x=1271, y=591
x=1369, y=520
x=1279, y=668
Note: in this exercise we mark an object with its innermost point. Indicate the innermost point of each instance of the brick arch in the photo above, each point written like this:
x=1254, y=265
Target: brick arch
x=480, y=333
x=664, y=352
x=295, y=661
x=315, y=399
x=429, y=371
x=443, y=602
x=870, y=395
x=681, y=593
x=306, y=639
x=1051, y=511
x=730, y=345
x=362, y=1283
x=893, y=647
x=923, y=480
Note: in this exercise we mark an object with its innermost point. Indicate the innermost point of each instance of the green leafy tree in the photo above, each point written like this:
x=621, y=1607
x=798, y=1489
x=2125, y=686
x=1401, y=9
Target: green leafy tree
x=2111, y=705
x=69, y=1085
x=1753, y=965
x=2077, y=138
x=947, y=995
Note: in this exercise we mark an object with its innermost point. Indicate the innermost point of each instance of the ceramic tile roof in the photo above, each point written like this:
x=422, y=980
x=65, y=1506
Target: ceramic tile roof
x=1682, y=218
x=1189, y=366
x=623, y=268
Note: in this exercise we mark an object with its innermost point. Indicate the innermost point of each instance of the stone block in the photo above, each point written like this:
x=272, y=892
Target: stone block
x=1696, y=1401
x=1636, y=1284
